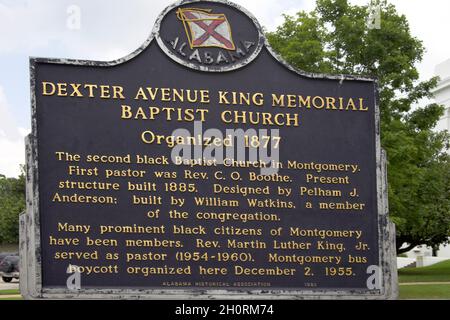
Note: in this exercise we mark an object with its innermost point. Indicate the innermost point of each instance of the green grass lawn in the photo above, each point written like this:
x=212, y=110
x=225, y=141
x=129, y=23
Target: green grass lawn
x=425, y=292
x=439, y=272
x=9, y=292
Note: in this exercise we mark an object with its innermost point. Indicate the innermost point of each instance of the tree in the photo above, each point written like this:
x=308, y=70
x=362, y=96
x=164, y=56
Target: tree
x=12, y=203
x=335, y=38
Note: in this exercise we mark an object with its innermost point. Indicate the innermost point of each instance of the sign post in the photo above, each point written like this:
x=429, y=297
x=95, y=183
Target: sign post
x=204, y=166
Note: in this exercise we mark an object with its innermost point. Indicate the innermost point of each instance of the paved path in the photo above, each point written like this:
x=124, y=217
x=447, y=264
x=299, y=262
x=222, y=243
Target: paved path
x=8, y=286
x=6, y=297
x=421, y=283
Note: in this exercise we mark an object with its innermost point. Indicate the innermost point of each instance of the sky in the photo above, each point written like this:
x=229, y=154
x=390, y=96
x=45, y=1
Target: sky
x=111, y=29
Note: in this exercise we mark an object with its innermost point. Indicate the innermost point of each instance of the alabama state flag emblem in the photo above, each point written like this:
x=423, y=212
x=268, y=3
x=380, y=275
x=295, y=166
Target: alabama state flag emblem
x=205, y=29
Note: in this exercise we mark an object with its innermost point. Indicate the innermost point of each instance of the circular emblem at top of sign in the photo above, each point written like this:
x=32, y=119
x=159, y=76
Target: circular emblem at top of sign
x=210, y=36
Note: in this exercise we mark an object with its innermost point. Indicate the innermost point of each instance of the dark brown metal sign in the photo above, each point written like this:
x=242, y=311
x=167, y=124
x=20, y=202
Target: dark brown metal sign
x=203, y=166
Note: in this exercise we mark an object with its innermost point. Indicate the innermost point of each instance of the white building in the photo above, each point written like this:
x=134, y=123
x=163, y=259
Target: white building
x=442, y=96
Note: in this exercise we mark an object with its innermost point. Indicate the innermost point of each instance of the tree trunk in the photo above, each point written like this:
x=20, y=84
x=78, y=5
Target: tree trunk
x=435, y=251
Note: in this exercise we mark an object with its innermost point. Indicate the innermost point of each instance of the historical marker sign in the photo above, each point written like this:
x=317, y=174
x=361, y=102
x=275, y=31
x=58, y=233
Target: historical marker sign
x=202, y=165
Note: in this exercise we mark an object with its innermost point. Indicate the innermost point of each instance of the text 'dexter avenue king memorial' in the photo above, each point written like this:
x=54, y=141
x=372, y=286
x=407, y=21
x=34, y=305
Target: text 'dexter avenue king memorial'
x=204, y=166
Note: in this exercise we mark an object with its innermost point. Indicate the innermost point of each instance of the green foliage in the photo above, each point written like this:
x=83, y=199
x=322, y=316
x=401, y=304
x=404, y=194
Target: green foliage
x=12, y=203
x=335, y=38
